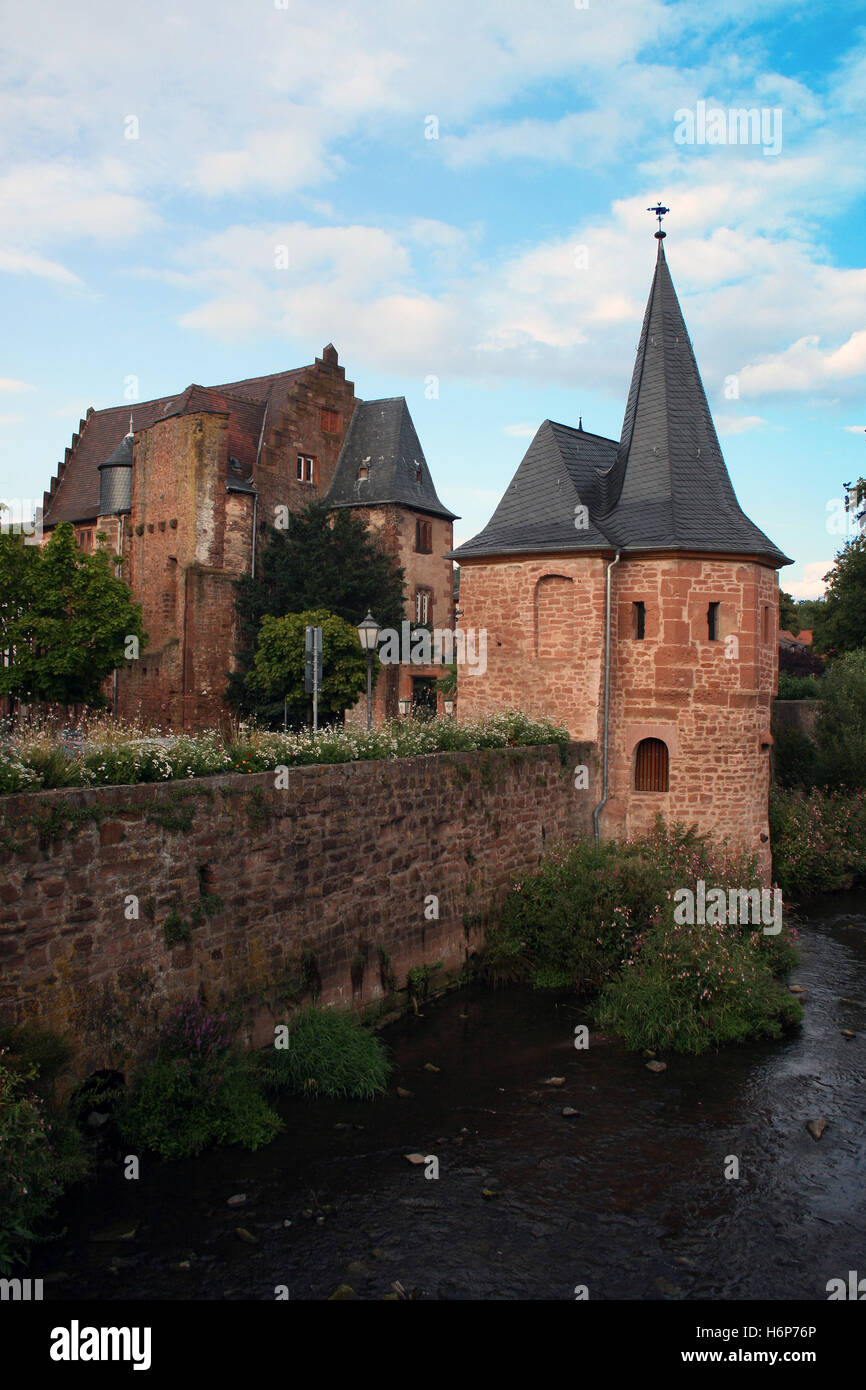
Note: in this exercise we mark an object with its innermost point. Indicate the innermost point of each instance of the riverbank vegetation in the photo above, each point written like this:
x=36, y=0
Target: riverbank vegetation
x=600, y=919
x=818, y=805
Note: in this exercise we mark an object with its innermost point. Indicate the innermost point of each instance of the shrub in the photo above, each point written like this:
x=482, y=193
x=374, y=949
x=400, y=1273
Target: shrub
x=690, y=988
x=39, y=1157
x=600, y=918
x=795, y=757
x=197, y=1091
x=329, y=1053
x=841, y=733
x=793, y=687
x=818, y=840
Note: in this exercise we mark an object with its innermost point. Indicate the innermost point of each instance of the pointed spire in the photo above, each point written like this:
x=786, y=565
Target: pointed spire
x=580, y=422
x=130, y=432
x=669, y=485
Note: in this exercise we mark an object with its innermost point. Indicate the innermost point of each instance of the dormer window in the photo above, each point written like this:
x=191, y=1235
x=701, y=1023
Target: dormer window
x=363, y=473
x=417, y=473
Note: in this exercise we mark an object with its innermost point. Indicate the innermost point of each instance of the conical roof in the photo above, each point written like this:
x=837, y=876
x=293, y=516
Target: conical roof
x=382, y=461
x=663, y=487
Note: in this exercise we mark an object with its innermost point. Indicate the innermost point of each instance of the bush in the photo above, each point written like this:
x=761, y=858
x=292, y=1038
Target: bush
x=329, y=1053
x=198, y=1091
x=841, y=733
x=40, y=1156
x=818, y=840
x=792, y=687
x=695, y=987
x=601, y=918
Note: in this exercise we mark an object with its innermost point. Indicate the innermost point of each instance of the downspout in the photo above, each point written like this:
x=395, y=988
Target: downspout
x=597, y=812
x=255, y=485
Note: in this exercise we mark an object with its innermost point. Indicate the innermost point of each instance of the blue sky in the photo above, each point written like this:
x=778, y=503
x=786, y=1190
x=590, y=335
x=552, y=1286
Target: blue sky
x=509, y=257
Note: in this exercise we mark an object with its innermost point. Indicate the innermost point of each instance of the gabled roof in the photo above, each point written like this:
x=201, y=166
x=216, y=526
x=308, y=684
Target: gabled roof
x=382, y=462
x=664, y=487
x=75, y=493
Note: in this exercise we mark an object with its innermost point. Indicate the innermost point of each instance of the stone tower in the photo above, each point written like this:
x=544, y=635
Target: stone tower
x=627, y=595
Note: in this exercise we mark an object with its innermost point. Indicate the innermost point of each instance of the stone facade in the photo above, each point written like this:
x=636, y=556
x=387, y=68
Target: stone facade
x=339, y=866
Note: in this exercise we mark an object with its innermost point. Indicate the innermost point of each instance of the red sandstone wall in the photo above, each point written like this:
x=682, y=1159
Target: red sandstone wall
x=340, y=862
x=545, y=641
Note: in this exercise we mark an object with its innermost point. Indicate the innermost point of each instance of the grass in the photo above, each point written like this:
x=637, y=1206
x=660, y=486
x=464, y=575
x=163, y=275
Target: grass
x=329, y=1053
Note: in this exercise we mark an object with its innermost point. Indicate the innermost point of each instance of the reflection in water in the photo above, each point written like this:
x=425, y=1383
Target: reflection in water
x=629, y=1196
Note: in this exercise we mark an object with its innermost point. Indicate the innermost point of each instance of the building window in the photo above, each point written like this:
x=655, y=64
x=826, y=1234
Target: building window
x=306, y=468
x=417, y=473
x=85, y=540
x=765, y=624
x=713, y=622
x=423, y=605
x=363, y=473
x=638, y=620
x=330, y=421
x=424, y=537
x=651, y=766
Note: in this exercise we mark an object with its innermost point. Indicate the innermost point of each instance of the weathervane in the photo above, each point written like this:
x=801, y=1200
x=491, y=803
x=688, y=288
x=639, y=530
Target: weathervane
x=659, y=212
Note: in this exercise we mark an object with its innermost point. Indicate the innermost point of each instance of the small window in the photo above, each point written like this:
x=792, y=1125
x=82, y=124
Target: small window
x=638, y=620
x=651, y=766
x=417, y=473
x=423, y=605
x=713, y=622
x=330, y=421
x=424, y=537
x=85, y=540
x=363, y=473
x=306, y=468
x=765, y=624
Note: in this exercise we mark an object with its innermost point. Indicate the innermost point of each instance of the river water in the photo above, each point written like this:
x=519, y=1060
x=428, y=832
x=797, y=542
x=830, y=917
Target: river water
x=628, y=1198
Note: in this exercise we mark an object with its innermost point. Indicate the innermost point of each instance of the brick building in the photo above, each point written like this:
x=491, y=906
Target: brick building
x=187, y=487
x=625, y=593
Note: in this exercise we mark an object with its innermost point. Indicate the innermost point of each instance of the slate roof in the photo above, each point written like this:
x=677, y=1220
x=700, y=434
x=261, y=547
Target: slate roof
x=381, y=438
x=74, y=495
x=663, y=487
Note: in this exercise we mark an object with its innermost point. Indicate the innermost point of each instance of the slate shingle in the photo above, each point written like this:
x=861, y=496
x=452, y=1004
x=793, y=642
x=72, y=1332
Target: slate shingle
x=663, y=487
x=381, y=440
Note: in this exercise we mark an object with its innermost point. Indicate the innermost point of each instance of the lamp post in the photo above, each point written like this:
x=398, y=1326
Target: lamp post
x=368, y=632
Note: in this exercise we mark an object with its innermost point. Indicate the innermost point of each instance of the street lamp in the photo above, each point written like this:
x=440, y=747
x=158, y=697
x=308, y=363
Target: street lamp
x=368, y=632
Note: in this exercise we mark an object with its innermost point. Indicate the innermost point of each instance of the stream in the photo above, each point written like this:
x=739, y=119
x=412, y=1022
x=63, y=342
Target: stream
x=628, y=1197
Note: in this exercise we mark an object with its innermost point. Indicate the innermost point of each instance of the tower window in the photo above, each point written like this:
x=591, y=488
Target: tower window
x=330, y=421
x=424, y=537
x=651, y=767
x=765, y=624
x=306, y=468
x=713, y=622
x=638, y=620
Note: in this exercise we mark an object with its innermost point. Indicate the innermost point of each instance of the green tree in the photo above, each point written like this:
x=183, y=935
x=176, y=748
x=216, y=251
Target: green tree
x=842, y=723
x=65, y=619
x=788, y=618
x=841, y=621
x=278, y=669
x=326, y=559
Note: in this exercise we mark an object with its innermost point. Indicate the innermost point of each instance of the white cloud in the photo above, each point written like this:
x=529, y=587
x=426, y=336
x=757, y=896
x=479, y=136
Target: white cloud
x=520, y=431
x=727, y=425
x=855, y=429
x=812, y=584
x=29, y=263
x=8, y=383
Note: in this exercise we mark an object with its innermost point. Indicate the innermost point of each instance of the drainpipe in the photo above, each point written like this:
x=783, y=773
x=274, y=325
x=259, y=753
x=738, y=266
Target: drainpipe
x=255, y=485
x=597, y=812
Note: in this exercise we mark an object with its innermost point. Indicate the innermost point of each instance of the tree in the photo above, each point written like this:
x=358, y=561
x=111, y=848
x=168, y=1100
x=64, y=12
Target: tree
x=326, y=559
x=65, y=619
x=278, y=669
x=842, y=722
x=841, y=622
x=787, y=613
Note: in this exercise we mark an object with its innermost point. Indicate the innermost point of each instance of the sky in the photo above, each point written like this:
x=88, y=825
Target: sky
x=456, y=196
